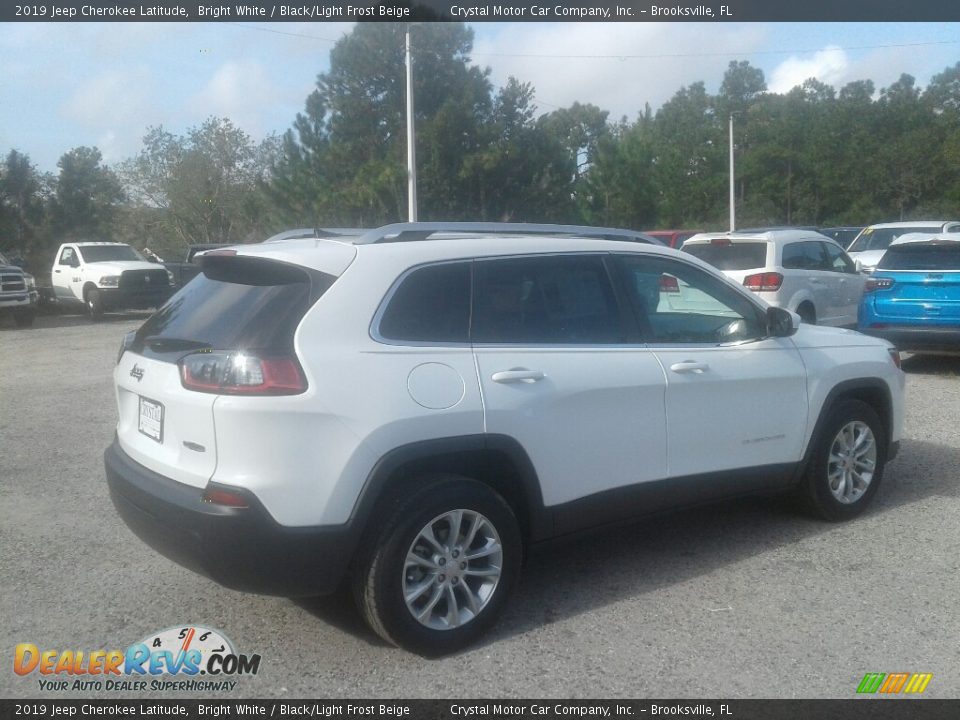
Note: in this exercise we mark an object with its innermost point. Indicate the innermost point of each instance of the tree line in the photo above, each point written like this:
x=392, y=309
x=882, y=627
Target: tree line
x=815, y=155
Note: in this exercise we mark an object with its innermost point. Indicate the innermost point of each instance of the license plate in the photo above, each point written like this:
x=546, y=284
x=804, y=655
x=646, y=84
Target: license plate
x=151, y=419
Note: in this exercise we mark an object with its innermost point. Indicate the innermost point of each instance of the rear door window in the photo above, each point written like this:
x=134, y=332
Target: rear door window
x=726, y=255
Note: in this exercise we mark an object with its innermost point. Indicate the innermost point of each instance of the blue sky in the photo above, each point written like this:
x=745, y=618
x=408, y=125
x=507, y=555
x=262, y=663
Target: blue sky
x=103, y=84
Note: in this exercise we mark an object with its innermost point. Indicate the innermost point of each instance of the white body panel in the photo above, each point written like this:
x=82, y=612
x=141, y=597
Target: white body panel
x=187, y=421
x=594, y=421
x=601, y=417
x=740, y=406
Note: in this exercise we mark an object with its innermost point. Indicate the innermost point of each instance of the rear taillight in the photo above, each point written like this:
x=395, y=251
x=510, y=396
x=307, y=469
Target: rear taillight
x=669, y=284
x=877, y=284
x=763, y=282
x=239, y=373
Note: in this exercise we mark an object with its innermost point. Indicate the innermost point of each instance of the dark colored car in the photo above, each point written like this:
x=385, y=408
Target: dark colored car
x=913, y=297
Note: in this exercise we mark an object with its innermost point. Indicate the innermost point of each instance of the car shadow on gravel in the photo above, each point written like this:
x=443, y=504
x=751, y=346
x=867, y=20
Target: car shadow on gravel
x=339, y=611
x=938, y=365
x=657, y=552
x=60, y=320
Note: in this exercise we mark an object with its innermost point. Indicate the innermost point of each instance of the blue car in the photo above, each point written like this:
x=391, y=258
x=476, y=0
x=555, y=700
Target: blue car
x=913, y=297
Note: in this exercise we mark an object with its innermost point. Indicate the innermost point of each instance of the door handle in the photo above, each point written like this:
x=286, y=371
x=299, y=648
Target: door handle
x=517, y=375
x=689, y=366
x=56, y=271
x=814, y=281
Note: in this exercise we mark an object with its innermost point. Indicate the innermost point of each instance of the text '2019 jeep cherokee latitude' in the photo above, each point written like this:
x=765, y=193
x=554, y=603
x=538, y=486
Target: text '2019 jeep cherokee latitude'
x=409, y=409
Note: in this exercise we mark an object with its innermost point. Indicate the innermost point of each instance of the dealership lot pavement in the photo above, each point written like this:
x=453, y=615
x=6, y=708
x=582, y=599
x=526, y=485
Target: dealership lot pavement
x=743, y=599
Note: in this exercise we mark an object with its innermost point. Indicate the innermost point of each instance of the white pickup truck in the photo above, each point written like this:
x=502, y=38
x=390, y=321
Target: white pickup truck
x=108, y=276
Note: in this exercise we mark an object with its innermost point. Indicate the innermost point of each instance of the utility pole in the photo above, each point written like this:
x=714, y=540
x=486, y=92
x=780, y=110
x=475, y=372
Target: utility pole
x=411, y=140
x=733, y=219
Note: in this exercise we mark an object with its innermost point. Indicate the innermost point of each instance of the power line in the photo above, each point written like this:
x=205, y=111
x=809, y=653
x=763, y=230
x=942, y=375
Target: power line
x=283, y=32
x=656, y=56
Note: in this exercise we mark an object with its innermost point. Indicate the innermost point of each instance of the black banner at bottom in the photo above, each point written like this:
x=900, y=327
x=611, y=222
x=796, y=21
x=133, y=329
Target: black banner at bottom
x=854, y=709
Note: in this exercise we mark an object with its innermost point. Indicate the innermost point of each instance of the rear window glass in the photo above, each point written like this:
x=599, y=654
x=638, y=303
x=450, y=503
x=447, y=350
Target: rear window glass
x=432, y=304
x=732, y=256
x=922, y=256
x=236, y=303
x=109, y=253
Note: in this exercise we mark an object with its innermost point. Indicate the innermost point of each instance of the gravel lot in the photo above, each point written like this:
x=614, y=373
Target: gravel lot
x=744, y=599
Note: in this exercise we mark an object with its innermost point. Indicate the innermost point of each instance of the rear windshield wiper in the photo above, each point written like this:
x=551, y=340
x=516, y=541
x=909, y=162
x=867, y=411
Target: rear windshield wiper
x=161, y=343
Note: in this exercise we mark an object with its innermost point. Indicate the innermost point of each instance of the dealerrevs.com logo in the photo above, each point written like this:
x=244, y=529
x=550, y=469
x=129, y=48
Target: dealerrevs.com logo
x=894, y=683
x=190, y=658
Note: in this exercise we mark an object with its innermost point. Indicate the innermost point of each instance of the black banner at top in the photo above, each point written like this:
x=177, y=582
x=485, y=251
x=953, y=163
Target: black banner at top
x=482, y=11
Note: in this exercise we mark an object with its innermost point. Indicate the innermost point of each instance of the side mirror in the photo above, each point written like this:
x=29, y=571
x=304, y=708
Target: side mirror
x=858, y=265
x=781, y=323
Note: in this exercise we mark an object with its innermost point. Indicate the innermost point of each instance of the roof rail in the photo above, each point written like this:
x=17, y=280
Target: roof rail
x=408, y=232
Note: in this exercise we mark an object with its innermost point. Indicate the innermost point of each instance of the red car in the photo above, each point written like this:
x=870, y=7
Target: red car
x=673, y=238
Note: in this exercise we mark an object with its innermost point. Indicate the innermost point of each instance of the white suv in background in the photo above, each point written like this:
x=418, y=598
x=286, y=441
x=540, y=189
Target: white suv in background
x=872, y=242
x=408, y=410
x=799, y=270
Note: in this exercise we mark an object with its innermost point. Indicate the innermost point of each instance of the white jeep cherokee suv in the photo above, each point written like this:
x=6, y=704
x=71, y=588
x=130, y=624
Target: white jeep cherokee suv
x=409, y=409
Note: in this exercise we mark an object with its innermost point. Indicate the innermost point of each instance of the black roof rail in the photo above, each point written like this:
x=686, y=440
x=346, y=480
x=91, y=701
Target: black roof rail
x=408, y=232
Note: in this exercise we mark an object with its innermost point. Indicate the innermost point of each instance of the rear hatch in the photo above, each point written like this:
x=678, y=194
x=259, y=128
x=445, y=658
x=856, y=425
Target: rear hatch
x=918, y=282
x=736, y=257
x=240, y=311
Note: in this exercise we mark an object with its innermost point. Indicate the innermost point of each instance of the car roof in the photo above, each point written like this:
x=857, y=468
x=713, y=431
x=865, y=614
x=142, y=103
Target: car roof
x=912, y=223
x=776, y=236
x=90, y=243
x=925, y=237
x=334, y=254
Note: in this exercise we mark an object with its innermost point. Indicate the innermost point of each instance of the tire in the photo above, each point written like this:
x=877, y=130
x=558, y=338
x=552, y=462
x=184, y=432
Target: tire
x=24, y=318
x=807, y=314
x=95, y=304
x=461, y=592
x=842, y=487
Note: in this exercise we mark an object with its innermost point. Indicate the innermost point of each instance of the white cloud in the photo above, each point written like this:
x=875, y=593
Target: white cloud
x=111, y=110
x=830, y=65
x=640, y=62
x=239, y=90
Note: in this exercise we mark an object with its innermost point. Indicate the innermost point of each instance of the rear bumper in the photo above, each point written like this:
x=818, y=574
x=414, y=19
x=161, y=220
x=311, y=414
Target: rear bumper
x=930, y=338
x=240, y=548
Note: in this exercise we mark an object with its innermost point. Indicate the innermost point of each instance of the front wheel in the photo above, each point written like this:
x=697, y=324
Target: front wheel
x=847, y=464
x=442, y=567
x=95, y=304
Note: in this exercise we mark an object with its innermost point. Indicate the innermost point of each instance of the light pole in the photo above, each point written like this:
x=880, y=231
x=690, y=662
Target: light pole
x=411, y=141
x=733, y=218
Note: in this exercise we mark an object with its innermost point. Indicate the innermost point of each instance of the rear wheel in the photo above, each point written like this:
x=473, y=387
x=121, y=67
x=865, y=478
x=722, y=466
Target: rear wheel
x=442, y=567
x=95, y=303
x=807, y=314
x=847, y=464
